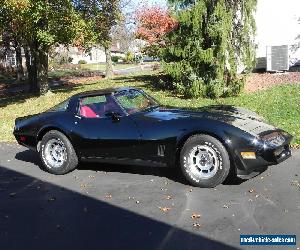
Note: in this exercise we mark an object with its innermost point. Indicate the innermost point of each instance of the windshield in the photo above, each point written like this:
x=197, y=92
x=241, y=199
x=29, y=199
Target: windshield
x=134, y=101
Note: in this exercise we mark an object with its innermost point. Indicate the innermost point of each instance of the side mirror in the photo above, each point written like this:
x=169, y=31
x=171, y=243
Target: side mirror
x=113, y=115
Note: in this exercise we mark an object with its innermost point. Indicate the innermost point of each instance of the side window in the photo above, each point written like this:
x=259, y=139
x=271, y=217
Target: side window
x=98, y=106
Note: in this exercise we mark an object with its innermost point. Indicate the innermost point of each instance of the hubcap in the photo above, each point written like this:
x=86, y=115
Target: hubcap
x=55, y=153
x=203, y=162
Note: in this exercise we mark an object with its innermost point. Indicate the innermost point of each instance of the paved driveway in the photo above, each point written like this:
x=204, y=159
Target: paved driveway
x=122, y=207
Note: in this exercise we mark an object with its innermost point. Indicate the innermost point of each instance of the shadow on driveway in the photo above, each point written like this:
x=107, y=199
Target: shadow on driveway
x=170, y=173
x=35, y=214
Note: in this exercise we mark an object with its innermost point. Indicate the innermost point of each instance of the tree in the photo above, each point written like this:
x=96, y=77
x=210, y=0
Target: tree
x=123, y=35
x=212, y=40
x=102, y=16
x=153, y=23
x=11, y=31
x=38, y=25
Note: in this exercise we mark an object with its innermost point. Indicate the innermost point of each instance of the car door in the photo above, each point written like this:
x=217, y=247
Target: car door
x=158, y=137
x=104, y=130
x=157, y=134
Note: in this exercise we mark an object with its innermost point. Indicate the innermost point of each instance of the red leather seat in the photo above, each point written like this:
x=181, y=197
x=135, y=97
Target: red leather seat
x=86, y=111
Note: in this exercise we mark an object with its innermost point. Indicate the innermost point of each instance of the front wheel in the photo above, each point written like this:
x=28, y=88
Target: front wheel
x=204, y=161
x=57, y=153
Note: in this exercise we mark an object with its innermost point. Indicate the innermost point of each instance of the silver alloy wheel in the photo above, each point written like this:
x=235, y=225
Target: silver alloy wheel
x=203, y=162
x=55, y=153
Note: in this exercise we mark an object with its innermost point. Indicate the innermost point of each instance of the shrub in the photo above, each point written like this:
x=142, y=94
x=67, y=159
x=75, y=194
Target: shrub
x=82, y=62
x=203, y=53
x=115, y=59
x=129, y=57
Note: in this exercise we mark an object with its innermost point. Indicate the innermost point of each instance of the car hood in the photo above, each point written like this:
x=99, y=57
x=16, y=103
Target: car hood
x=244, y=119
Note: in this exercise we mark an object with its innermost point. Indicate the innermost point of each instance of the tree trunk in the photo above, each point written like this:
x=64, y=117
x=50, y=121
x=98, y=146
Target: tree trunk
x=31, y=71
x=20, y=71
x=42, y=70
x=109, y=67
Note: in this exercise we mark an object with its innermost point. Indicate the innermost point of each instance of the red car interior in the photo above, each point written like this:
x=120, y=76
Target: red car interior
x=86, y=111
x=95, y=110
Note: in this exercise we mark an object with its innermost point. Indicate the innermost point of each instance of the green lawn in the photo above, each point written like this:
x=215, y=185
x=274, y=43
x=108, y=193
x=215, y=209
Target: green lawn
x=279, y=105
x=88, y=67
x=101, y=66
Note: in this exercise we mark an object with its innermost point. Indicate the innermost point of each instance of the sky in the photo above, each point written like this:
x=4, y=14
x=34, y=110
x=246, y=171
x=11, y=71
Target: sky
x=277, y=23
x=158, y=2
x=137, y=3
x=155, y=2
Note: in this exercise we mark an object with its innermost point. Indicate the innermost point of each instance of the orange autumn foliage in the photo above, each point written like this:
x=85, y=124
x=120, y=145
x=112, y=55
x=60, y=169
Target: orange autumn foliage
x=153, y=23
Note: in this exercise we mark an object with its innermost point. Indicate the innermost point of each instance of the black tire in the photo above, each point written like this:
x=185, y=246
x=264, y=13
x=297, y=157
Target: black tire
x=70, y=159
x=213, y=152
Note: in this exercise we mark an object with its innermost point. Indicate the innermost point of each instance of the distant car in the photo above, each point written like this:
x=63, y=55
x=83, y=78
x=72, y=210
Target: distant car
x=127, y=126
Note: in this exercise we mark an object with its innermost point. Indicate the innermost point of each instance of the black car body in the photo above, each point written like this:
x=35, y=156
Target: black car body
x=155, y=135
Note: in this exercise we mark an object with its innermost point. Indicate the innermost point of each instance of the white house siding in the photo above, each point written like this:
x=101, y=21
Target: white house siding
x=277, y=24
x=96, y=55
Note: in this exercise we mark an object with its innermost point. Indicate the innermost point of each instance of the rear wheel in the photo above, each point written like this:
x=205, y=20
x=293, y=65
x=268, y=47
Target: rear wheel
x=204, y=161
x=57, y=153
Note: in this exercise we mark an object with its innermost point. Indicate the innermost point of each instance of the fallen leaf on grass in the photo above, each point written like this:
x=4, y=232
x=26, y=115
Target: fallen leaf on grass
x=195, y=216
x=164, y=209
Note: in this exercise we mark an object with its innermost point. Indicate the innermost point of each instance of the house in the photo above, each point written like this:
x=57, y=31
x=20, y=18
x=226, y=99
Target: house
x=116, y=50
x=8, y=57
x=277, y=24
x=94, y=55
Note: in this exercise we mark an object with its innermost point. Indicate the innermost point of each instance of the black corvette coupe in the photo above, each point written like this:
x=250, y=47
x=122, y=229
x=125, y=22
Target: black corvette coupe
x=127, y=126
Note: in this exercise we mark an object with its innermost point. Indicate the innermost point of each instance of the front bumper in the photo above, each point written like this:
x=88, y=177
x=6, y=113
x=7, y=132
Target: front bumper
x=264, y=157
